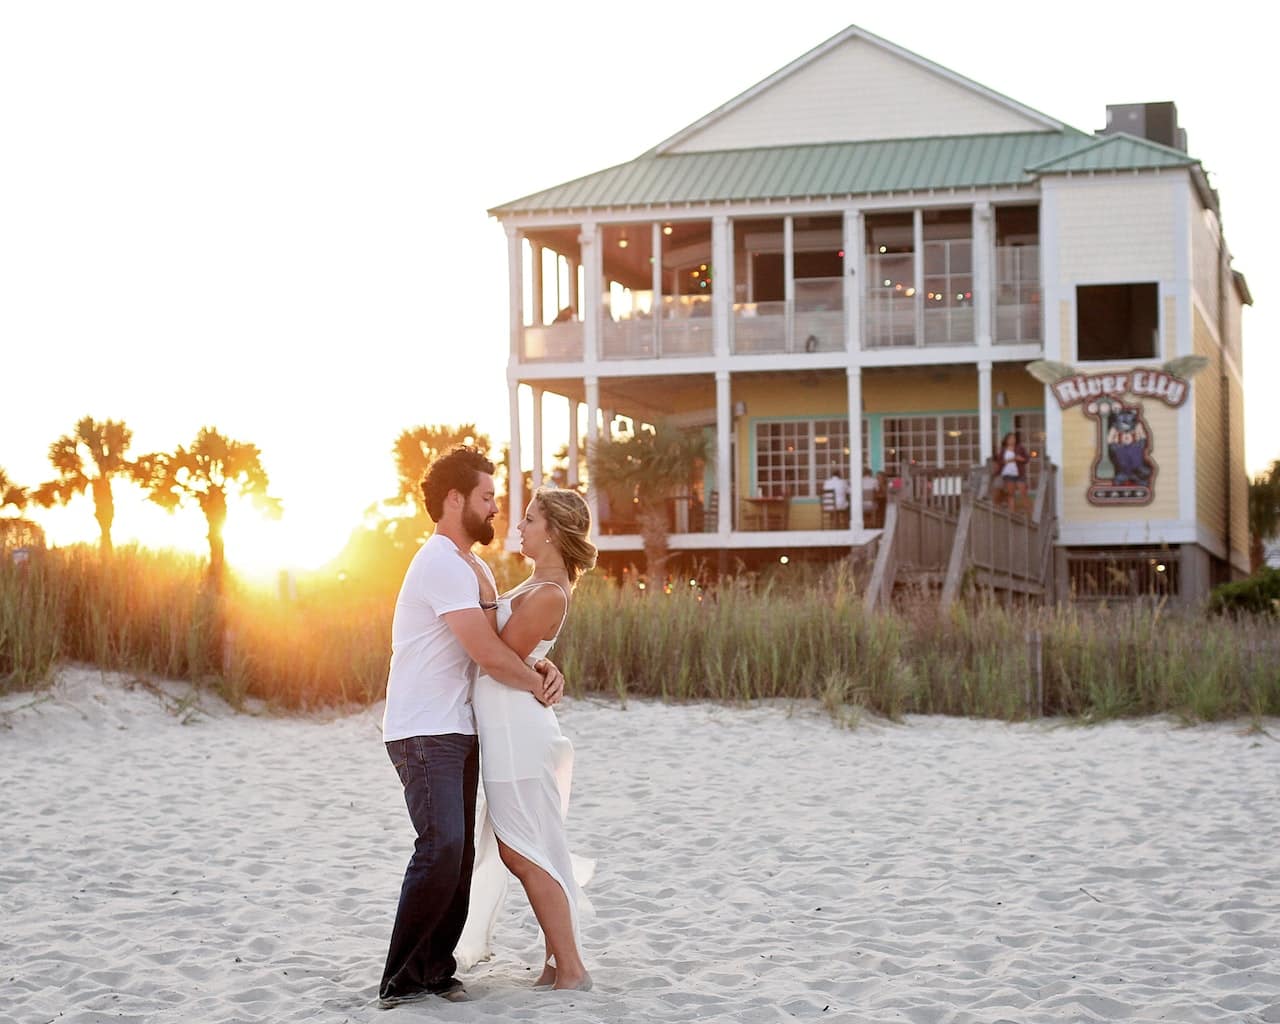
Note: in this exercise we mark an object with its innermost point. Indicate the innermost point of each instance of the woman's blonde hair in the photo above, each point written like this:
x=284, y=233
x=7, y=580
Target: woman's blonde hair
x=570, y=522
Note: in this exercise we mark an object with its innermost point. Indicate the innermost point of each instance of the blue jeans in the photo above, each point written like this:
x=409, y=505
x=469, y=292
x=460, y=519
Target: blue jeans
x=439, y=775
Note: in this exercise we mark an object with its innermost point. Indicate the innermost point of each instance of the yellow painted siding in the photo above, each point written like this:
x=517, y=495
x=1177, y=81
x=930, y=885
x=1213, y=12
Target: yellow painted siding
x=907, y=390
x=1021, y=389
x=1204, y=256
x=1080, y=446
x=1239, y=476
x=1211, y=467
x=1170, y=327
x=780, y=396
x=923, y=389
x=1117, y=232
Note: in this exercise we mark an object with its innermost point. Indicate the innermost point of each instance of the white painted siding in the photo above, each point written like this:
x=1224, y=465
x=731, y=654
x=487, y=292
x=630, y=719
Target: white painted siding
x=1204, y=253
x=854, y=92
x=1116, y=231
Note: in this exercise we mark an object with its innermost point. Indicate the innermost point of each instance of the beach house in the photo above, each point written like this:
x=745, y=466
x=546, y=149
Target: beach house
x=848, y=269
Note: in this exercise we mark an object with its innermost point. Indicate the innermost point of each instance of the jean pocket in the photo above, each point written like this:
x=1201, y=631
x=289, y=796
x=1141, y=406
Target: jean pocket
x=398, y=751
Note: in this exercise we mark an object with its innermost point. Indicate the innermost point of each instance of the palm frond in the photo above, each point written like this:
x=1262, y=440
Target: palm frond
x=1185, y=367
x=1047, y=371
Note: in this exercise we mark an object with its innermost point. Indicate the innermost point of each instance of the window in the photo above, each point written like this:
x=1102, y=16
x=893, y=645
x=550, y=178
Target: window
x=925, y=442
x=793, y=457
x=960, y=444
x=782, y=458
x=909, y=441
x=830, y=450
x=1116, y=321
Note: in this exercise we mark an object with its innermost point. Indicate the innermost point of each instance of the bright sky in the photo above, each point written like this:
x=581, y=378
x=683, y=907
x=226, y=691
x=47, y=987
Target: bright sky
x=269, y=217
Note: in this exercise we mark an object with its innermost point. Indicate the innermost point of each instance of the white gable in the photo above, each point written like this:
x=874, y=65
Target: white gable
x=853, y=88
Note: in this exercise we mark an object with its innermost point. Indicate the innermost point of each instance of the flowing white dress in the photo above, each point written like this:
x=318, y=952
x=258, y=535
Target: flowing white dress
x=526, y=767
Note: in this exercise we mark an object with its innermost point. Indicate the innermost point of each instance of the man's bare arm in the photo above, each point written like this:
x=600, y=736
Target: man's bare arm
x=495, y=658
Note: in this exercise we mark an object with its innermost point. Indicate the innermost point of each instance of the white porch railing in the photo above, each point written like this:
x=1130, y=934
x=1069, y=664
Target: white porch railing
x=552, y=343
x=1018, y=312
x=814, y=321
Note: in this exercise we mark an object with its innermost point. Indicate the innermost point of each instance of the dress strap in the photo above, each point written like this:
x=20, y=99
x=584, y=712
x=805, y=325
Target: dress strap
x=547, y=583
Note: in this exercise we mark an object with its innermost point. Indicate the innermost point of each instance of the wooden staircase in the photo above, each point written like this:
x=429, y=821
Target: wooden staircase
x=943, y=530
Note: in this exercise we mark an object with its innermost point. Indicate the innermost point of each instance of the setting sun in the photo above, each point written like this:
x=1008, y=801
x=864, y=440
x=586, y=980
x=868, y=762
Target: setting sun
x=257, y=547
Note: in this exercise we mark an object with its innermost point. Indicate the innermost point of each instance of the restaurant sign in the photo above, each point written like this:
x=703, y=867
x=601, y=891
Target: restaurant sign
x=1124, y=469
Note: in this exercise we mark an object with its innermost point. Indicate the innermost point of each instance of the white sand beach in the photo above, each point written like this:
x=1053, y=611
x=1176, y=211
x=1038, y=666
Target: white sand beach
x=165, y=859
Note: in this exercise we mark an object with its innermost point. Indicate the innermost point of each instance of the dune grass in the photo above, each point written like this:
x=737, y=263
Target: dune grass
x=803, y=637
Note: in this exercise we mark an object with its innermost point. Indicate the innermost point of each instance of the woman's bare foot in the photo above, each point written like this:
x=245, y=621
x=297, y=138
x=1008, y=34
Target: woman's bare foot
x=547, y=978
x=577, y=983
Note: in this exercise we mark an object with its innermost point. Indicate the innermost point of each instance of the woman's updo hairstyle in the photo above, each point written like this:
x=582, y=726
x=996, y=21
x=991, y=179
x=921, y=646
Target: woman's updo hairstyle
x=569, y=520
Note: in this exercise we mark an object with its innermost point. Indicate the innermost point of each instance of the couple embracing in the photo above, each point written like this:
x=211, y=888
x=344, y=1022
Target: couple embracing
x=469, y=698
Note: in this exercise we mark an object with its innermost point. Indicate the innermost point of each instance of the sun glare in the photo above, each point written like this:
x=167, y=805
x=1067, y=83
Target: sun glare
x=260, y=548
x=256, y=547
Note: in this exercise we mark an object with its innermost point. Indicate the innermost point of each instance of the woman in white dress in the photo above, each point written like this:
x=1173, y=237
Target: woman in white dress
x=526, y=763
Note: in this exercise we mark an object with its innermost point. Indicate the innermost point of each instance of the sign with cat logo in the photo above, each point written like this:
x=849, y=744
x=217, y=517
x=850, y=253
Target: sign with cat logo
x=1124, y=469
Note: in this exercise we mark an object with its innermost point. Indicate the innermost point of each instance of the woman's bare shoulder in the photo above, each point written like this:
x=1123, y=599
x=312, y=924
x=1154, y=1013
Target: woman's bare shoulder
x=541, y=607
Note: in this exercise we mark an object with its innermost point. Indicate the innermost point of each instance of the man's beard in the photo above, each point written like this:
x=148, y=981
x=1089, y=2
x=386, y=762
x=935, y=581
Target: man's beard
x=479, y=529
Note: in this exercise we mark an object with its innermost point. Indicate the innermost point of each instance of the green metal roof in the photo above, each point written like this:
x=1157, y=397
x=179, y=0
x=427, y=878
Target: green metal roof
x=1118, y=152
x=847, y=168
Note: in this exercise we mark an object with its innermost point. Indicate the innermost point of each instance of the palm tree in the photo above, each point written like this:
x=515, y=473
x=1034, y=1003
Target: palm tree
x=1264, y=512
x=416, y=448
x=12, y=494
x=646, y=468
x=207, y=473
x=86, y=460
x=14, y=530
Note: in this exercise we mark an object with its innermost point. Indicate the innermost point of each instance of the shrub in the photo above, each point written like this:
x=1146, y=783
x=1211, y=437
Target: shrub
x=1259, y=594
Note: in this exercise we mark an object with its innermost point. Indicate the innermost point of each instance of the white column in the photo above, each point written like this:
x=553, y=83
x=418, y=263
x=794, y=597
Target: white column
x=515, y=285
x=538, y=318
x=655, y=284
x=984, y=293
x=984, y=302
x=853, y=381
x=515, y=483
x=985, y=446
x=724, y=474
x=721, y=284
x=789, y=278
x=537, y=438
x=917, y=272
x=573, y=285
x=575, y=451
x=593, y=438
x=589, y=241
x=852, y=243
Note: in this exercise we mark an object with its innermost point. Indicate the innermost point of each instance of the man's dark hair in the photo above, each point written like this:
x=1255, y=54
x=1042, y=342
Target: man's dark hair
x=458, y=471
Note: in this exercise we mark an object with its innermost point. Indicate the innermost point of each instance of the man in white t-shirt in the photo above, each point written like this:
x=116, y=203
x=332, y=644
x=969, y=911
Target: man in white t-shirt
x=839, y=488
x=439, y=636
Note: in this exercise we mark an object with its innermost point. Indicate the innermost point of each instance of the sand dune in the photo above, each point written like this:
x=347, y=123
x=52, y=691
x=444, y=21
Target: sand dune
x=164, y=859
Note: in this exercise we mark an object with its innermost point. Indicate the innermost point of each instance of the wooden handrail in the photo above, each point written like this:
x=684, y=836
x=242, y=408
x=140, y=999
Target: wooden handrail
x=880, y=588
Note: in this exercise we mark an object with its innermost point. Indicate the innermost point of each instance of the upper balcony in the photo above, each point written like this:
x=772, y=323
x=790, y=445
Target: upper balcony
x=911, y=279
